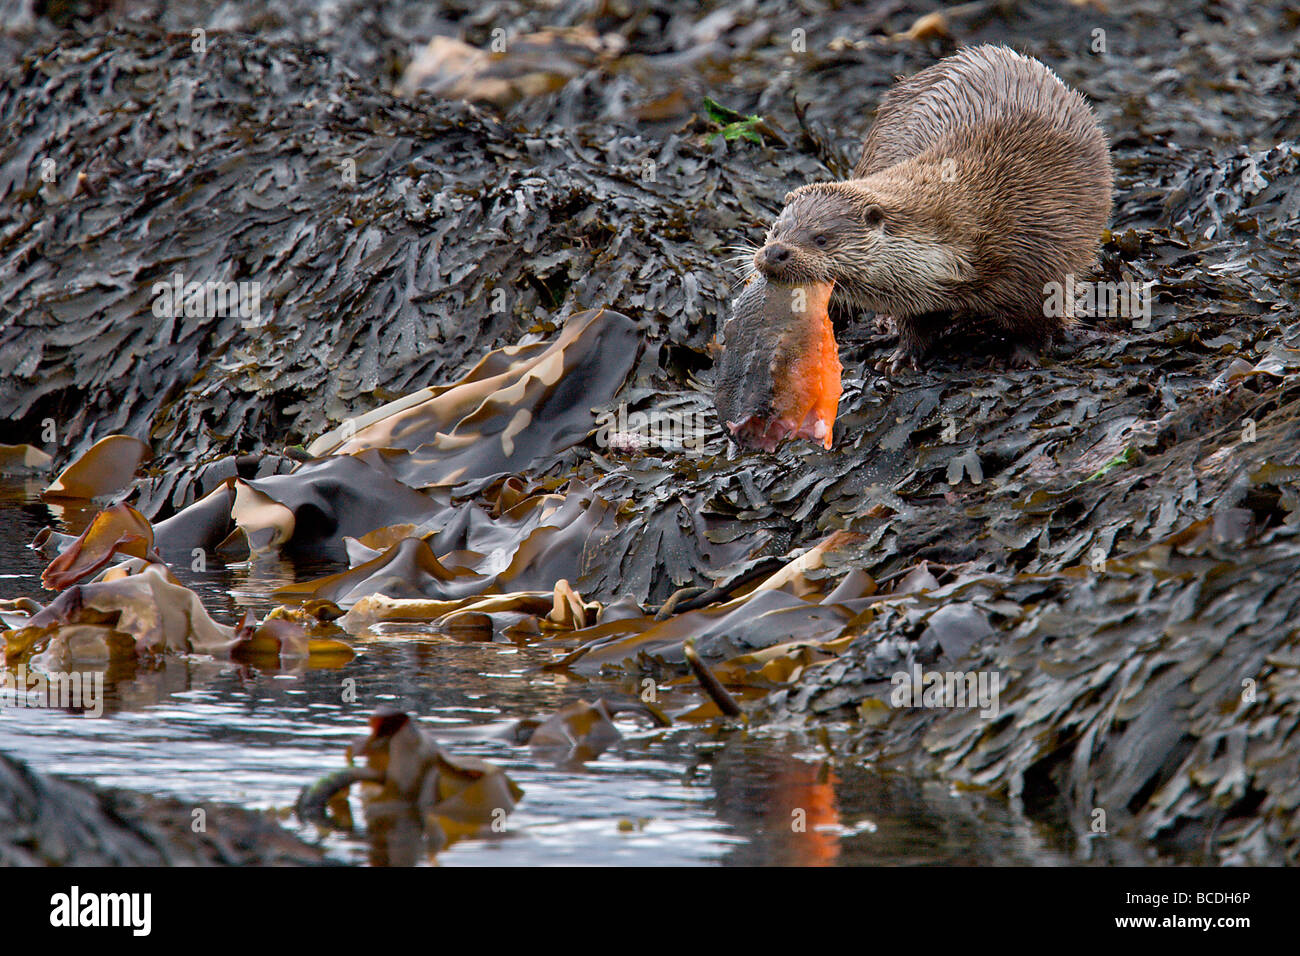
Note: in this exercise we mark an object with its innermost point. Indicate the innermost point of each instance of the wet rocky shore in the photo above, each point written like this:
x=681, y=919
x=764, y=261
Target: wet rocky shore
x=459, y=296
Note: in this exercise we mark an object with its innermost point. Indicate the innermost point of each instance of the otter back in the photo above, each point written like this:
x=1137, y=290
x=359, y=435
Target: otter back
x=974, y=87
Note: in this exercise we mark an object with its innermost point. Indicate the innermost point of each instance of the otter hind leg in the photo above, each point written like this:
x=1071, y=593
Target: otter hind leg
x=1019, y=356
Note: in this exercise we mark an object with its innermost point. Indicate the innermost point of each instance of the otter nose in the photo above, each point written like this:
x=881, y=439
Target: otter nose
x=774, y=254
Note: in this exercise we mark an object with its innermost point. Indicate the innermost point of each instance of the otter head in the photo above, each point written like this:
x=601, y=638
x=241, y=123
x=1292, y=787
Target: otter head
x=821, y=228
x=884, y=241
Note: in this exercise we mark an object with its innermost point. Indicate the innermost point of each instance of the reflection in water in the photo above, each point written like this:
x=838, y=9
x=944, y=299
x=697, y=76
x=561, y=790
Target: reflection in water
x=206, y=730
x=784, y=805
x=797, y=806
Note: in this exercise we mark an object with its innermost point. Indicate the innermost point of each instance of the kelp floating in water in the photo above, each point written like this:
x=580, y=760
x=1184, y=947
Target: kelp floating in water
x=120, y=604
x=582, y=730
x=106, y=468
x=22, y=460
x=417, y=797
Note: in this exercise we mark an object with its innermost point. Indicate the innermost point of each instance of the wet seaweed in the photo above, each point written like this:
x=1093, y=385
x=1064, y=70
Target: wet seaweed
x=1114, y=532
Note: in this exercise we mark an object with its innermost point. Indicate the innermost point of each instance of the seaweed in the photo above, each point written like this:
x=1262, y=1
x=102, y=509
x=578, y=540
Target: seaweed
x=1114, y=533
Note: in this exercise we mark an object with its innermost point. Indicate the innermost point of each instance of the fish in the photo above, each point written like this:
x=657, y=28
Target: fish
x=779, y=375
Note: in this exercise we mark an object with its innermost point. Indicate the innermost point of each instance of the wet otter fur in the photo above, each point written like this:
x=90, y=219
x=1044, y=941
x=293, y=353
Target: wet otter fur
x=983, y=179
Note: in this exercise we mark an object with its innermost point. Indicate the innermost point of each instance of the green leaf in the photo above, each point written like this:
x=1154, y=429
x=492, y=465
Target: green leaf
x=719, y=113
x=734, y=125
x=1123, y=458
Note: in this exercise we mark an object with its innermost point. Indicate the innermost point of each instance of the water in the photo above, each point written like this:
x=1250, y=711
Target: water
x=204, y=730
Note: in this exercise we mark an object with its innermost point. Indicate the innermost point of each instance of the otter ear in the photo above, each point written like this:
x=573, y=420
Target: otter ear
x=873, y=215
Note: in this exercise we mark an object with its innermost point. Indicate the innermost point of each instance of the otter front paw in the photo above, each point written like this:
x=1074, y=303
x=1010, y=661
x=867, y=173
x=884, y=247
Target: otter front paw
x=898, y=360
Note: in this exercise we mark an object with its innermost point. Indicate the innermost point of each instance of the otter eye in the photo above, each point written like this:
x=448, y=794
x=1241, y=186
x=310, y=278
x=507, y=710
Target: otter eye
x=873, y=215
x=820, y=240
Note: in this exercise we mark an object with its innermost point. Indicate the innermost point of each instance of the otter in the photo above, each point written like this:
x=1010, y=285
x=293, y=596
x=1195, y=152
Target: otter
x=983, y=179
